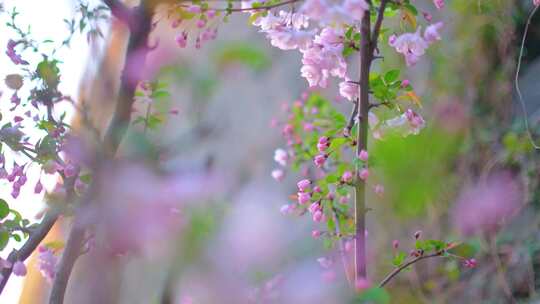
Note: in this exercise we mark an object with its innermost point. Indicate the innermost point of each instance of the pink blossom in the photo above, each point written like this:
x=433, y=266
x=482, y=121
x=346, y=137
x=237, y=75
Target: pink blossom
x=325, y=262
x=308, y=127
x=303, y=185
x=536, y=2
x=439, y=4
x=281, y=157
x=315, y=234
x=181, y=39
x=278, y=175
x=347, y=177
x=470, y=263
x=200, y=23
x=317, y=189
x=303, y=197
x=348, y=90
x=312, y=74
x=319, y=160
x=379, y=189
x=408, y=123
x=364, y=174
x=362, y=284
x=19, y=269
x=395, y=244
x=363, y=155
x=482, y=207
x=314, y=207
x=318, y=216
x=38, y=187
x=323, y=144
x=356, y=8
x=315, y=9
x=285, y=209
x=411, y=45
x=405, y=83
x=431, y=34
x=47, y=262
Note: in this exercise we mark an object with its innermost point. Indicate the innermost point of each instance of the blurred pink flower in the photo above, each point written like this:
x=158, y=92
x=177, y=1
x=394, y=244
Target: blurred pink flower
x=482, y=207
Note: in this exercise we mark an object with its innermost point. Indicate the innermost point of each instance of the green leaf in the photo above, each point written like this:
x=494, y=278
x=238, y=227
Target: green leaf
x=373, y=296
x=399, y=258
x=4, y=209
x=4, y=239
x=391, y=76
x=160, y=94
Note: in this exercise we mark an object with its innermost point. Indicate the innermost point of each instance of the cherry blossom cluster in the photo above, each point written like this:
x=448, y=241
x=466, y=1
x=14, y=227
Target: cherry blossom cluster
x=200, y=17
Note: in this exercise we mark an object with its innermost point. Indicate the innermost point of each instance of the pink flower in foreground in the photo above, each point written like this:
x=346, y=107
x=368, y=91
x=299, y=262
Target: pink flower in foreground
x=348, y=90
x=536, y=2
x=319, y=160
x=364, y=174
x=303, y=197
x=303, y=185
x=347, y=177
x=411, y=45
x=363, y=155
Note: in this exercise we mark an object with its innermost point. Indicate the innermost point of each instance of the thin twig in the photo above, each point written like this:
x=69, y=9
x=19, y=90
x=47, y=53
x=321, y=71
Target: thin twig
x=377, y=26
x=397, y=270
x=516, y=80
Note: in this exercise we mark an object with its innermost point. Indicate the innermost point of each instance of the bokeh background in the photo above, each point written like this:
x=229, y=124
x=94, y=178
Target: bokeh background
x=470, y=176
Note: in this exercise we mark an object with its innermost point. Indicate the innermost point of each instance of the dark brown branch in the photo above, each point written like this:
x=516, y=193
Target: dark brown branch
x=404, y=266
x=36, y=236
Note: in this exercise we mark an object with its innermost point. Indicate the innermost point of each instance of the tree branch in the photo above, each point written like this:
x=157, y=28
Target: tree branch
x=378, y=24
x=360, y=185
x=36, y=236
x=411, y=262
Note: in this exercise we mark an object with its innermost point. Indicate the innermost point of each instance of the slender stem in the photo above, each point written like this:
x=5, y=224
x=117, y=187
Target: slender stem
x=342, y=248
x=360, y=187
x=368, y=45
x=409, y=263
